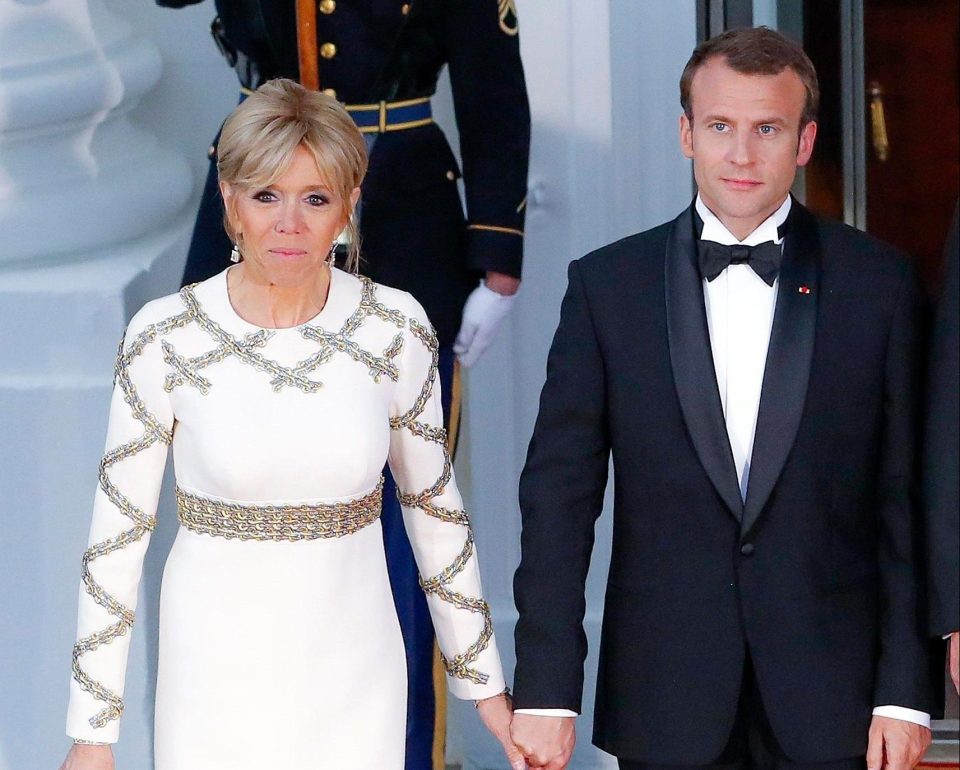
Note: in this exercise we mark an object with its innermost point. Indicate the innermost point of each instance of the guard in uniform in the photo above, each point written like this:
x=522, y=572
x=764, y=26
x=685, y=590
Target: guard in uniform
x=382, y=59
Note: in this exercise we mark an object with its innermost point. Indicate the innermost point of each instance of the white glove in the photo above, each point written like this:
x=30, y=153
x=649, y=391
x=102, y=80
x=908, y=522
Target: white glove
x=482, y=316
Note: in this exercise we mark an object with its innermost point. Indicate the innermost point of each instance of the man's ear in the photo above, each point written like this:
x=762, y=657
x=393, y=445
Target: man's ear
x=808, y=135
x=686, y=136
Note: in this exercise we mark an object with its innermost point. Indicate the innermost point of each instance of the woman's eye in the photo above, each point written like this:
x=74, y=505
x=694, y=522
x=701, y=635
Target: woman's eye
x=264, y=196
x=317, y=200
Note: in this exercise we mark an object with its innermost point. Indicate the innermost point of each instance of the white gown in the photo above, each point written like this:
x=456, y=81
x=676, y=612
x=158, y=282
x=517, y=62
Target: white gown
x=279, y=642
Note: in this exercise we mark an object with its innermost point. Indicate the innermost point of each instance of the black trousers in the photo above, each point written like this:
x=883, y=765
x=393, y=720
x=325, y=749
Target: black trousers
x=752, y=744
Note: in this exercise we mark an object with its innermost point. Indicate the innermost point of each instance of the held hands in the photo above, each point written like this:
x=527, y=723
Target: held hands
x=86, y=757
x=546, y=742
x=495, y=713
x=485, y=310
x=895, y=744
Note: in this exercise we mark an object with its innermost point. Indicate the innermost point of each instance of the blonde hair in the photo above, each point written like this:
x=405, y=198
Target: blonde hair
x=258, y=141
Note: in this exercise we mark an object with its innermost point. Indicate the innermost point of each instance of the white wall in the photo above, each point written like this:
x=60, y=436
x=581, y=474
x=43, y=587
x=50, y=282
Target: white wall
x=603, y=82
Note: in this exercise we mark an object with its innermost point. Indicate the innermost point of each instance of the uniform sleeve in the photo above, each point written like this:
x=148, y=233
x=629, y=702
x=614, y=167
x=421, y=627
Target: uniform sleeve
x=438, y=527
x=493, y=119
x=124, y=514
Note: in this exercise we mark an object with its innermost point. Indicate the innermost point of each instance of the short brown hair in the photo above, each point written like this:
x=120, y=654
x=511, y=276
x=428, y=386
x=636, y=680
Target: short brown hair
x=755, y=51
x=259, y=139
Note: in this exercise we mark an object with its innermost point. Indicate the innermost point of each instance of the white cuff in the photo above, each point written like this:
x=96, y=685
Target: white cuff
x=904, y=714
x=547, y=712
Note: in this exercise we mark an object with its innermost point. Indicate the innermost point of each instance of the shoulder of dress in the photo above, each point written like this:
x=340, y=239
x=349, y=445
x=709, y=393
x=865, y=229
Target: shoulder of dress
x=158, y=317
x=397, y=299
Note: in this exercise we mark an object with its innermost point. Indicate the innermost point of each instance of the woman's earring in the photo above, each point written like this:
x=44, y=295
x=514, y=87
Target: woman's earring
x=332, y=256
x=235, y=254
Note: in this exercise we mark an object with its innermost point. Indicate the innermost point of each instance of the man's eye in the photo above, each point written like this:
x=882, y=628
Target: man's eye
x=719, y=127
x=767, y=130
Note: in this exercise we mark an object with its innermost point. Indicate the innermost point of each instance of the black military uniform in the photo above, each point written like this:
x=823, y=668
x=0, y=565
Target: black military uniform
x=414, y=233
x=382, y=59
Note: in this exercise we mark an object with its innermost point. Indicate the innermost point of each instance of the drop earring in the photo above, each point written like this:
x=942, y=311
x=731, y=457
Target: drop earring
x=332, y=256
x=235, y=254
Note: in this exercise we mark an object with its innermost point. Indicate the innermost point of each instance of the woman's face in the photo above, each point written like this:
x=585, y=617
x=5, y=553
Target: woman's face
x=287, y=228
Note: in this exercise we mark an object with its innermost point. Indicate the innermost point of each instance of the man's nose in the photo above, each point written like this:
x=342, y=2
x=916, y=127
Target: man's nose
x=741, y=150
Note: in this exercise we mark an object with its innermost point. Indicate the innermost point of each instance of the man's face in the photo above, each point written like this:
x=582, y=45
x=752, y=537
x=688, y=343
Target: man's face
x=743, y=140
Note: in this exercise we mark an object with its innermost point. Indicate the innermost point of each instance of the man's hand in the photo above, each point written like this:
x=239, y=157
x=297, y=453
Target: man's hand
x=955, y=659
x=546, y=742
x=485, y=310
x=895, y=744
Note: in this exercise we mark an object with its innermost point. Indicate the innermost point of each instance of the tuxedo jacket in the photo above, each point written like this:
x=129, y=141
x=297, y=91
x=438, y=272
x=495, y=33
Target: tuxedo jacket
x=815, y=576
x=415, y=235
x=942, y=452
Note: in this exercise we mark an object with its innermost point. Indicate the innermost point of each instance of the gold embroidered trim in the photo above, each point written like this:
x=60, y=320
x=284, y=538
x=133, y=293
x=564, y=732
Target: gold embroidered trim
x=153, y=432
x=244, y=521
x=509, y=23
x=185, y=371
x=459, y=666
x=497, y=229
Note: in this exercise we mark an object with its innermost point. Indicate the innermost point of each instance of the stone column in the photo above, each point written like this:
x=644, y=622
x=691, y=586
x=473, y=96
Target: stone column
x=93, y=223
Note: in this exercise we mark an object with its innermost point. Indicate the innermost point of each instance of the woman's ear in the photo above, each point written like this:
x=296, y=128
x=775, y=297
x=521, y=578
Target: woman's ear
x=230, y=205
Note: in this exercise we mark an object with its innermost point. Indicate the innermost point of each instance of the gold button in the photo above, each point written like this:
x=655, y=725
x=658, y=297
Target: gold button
x=328, y=50
x=451, y=176
x=328, y=6
x=405, y=9
x=330, y=92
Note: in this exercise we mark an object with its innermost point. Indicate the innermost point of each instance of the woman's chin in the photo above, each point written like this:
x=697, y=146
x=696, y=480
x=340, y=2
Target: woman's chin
x=289, y=271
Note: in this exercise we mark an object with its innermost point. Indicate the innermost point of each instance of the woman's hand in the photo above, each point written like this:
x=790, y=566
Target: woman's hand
x=84, y=756
x=496, y=714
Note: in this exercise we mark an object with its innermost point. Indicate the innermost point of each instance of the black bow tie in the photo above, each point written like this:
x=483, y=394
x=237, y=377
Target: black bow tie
x=764, y=258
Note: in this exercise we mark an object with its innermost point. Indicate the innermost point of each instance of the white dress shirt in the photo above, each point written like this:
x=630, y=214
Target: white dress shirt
x=740, y=307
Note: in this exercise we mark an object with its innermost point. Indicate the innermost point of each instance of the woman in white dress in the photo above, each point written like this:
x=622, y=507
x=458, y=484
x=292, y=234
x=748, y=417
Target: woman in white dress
x=282, y=385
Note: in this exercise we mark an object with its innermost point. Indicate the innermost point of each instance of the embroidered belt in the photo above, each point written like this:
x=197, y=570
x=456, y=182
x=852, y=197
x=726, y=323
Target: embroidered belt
x=244, y=521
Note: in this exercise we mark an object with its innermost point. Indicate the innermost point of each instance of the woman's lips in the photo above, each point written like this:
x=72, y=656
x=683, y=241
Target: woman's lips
x=288, y=253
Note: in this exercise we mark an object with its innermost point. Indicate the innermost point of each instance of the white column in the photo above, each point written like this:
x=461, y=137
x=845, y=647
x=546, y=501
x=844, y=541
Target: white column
x=94, y=222
x=603, y=83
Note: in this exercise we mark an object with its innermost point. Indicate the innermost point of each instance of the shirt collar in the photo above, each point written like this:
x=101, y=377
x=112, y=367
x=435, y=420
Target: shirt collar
x=715, y=230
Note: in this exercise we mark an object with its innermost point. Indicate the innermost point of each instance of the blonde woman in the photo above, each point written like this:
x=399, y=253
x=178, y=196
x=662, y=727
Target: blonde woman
x=282, y=384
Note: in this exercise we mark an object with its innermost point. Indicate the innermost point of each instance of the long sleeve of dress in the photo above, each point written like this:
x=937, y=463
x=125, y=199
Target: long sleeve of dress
x=124, y=514
x=438, y=527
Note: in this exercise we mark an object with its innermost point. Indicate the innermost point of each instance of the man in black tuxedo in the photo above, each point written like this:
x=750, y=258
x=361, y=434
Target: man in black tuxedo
x=751, y=369
x=941, y=460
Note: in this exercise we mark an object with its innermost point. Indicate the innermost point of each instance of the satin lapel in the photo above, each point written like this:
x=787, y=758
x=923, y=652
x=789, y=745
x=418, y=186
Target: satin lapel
x=692, y=362
x=789, y=356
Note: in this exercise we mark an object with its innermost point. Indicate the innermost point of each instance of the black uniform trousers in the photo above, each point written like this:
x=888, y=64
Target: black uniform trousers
x=752, y=744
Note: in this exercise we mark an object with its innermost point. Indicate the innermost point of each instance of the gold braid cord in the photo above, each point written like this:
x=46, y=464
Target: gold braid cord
x=153, y=432
x=185, y=371
x=460, y=666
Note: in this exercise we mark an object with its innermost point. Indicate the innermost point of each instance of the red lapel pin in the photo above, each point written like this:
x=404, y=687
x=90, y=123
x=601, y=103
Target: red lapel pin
x=804, y=289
